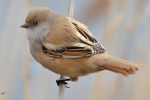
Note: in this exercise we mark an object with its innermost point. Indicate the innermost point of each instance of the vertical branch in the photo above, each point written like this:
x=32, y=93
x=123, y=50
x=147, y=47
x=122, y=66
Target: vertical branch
x=62, y=86
x=71, y=8
x=26, y=69
x=61, y=89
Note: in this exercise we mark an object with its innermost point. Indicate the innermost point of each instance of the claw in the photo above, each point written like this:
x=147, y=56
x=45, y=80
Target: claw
x=62, y=81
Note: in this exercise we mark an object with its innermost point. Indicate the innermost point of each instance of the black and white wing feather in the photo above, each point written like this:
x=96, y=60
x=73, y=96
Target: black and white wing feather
x=84, y=46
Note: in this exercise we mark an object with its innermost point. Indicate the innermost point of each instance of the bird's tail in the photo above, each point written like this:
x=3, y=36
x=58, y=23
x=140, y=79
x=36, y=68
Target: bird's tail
x=121, y=66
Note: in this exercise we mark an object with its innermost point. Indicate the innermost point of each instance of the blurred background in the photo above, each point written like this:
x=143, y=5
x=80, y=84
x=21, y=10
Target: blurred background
x=122, y=26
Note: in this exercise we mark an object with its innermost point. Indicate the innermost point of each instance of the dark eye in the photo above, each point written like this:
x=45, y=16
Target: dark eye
x=36, y=23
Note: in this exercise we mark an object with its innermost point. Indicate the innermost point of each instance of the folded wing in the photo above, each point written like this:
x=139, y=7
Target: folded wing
x=75, y=41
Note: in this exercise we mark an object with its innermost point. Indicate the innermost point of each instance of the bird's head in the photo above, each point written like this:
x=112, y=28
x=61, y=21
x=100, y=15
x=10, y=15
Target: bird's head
x=39, y=22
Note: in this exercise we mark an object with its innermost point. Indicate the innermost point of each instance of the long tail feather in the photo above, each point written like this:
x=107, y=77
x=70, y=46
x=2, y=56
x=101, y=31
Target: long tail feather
x=121, y=66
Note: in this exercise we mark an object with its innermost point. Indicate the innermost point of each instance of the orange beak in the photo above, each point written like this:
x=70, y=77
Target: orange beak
x=25, y=25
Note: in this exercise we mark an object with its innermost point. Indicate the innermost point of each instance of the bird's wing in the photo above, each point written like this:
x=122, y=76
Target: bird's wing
x=71, y=40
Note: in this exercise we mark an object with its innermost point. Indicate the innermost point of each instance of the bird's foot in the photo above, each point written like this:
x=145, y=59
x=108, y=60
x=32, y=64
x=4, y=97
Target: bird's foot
x=62, y=81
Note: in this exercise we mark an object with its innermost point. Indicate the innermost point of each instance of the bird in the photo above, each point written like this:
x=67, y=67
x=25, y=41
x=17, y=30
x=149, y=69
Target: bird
x=66, y=47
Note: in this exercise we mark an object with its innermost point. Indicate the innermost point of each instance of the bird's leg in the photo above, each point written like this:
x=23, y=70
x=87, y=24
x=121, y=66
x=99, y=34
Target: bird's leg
x=62, y=81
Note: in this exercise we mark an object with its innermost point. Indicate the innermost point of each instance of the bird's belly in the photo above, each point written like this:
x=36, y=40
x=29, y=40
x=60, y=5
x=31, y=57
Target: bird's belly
x=67, y=67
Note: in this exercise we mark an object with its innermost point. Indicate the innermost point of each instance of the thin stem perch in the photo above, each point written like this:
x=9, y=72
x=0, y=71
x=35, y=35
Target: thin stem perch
x=62, y=86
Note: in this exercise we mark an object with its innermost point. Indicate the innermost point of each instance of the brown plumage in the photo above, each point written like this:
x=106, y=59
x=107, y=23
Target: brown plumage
x=65, y=46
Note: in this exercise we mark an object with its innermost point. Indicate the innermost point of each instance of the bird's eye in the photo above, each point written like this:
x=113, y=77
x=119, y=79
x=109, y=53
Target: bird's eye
x=36, y=23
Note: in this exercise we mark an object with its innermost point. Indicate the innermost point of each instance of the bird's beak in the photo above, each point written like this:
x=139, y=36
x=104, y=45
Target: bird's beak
x=25, y=25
